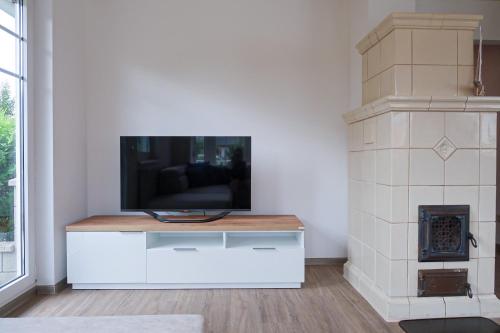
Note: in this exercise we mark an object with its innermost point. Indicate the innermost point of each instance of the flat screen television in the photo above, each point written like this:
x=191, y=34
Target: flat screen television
x=185, y=173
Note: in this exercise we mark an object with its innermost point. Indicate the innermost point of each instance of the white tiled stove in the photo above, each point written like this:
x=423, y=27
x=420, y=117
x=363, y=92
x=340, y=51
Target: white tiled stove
x=425, y=142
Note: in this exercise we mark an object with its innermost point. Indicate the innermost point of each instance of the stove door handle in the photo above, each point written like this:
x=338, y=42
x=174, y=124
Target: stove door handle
x=468, y=289
x=472, y=239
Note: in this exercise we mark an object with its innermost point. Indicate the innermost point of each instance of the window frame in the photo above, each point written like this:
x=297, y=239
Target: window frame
x=26, y=280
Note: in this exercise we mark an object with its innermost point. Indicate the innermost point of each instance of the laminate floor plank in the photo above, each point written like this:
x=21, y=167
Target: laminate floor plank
x=326, y=303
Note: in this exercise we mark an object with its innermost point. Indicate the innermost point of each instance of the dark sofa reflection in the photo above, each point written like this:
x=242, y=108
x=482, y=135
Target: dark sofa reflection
x=194, y=186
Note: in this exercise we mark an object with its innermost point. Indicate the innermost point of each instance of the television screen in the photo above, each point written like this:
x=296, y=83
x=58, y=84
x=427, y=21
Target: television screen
x=170, y=173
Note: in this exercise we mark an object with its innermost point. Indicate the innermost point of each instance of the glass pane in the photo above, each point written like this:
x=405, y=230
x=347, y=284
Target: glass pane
x=9, y=14
x=10, y=224
x=8, y=55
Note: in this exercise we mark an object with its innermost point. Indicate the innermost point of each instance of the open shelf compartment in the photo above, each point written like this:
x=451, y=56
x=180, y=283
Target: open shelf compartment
x=184, y=240
x=264, y=240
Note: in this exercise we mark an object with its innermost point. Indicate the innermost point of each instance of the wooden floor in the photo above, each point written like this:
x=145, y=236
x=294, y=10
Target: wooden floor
x=327, y=303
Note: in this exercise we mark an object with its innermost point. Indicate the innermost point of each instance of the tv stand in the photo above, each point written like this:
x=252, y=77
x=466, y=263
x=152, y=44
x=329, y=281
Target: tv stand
x=138, y=252
x=186, y=220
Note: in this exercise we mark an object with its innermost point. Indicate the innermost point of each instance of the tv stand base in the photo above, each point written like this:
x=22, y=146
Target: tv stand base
x=285, y=285
x=186, y=220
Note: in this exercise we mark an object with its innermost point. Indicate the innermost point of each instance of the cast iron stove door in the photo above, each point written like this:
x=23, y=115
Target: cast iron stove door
x=443, y=233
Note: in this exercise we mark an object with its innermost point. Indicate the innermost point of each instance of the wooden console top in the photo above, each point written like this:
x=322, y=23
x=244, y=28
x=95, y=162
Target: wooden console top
x=228, y=223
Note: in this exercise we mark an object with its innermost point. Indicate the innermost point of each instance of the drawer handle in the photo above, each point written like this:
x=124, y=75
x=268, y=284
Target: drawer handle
x=264, y=248
x=185, y=249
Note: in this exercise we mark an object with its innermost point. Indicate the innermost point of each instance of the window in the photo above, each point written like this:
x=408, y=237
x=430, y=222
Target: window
x=12, y=92
x=198, y=150
x=225, y=148
x=216, y=150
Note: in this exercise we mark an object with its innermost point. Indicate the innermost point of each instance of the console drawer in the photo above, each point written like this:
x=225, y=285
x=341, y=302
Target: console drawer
x=222, y=265
x=267, y=265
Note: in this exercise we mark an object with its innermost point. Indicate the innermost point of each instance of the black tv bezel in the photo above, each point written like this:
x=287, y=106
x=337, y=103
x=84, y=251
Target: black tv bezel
x=193, y=210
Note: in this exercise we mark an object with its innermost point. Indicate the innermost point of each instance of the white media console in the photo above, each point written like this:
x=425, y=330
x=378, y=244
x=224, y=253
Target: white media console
x=138, y=252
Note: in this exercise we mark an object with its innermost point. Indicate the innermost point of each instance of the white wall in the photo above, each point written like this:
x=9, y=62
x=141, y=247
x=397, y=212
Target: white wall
x=70, y=146
x=490, y=9
x=275, y=70
x=281, y=71
x=42, y=109
x=60, y=143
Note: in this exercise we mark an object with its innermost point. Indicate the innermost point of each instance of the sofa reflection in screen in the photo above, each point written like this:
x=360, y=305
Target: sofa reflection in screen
x=195, y=186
